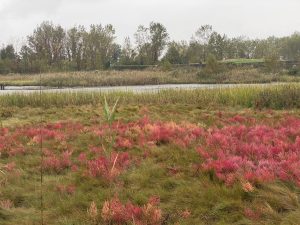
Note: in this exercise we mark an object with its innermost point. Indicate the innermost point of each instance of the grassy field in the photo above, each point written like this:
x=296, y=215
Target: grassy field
x=228, y=156
x=119, y=78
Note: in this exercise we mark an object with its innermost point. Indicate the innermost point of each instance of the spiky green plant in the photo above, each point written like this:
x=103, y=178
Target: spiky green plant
x=110, y=116
x=110, y=113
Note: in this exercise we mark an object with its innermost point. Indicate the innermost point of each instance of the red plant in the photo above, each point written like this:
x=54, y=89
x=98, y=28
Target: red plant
x=6, y=204
x=185, y=214
x=242, y=150
x=252, y=214
x=56, y=163
x=8, y=143
x=123, y=143
x=57, y=131
x=108, y=167
x=39, y=134
x=82, y=158
x=66, y=189
x=145, y=133
x=74, y=168
x=255, y=153
x=114, y=212
x=96, y=150
x=10, y=167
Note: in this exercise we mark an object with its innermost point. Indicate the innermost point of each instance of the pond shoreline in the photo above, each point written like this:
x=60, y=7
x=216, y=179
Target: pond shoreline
x=129, y=88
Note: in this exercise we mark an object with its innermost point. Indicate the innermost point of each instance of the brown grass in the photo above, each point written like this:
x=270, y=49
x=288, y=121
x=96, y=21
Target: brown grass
x=145, y=77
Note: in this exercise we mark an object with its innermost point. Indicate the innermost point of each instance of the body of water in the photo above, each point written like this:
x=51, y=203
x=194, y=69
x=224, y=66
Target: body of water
x=137, y=89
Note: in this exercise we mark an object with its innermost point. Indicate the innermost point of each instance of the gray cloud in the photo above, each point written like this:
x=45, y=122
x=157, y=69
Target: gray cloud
x=254, y=18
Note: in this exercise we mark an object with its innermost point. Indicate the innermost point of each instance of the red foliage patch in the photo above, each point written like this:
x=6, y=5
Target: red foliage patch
x=242, y=149
x=145, y=133
x=256, y=153
x=114, y=212
x=12, y=141
x=56, y=163
x=66, y=189
x=108, y=167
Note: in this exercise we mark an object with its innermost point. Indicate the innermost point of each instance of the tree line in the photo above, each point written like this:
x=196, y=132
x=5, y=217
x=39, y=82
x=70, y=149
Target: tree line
x=52, y=48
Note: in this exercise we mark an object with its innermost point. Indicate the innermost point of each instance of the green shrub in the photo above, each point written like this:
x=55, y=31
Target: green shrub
x=166, y=66
x=272, y=63
x=212, y=67
x=294, y=70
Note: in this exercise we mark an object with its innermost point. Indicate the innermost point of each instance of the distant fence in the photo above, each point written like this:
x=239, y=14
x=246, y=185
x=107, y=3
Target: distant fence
x=142, y=67
x=284, y=63
x=289, y=64
x=132, y=67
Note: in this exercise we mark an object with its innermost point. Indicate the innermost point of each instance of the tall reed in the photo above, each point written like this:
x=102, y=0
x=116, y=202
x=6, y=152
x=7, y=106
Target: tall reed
x=276, y=97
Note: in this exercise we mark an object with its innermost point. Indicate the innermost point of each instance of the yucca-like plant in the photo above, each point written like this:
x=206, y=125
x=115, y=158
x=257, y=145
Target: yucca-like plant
x=110, y=116
x=110, y=113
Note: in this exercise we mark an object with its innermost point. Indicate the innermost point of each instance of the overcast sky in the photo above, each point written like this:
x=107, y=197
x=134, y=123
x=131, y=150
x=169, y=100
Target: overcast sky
x=253, y=18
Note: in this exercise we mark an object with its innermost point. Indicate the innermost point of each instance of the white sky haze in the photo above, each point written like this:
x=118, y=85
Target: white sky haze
x=255, y=18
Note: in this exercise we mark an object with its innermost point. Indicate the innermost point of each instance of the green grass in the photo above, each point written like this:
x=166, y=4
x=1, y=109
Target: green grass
x=209, y=201
x=258, y=96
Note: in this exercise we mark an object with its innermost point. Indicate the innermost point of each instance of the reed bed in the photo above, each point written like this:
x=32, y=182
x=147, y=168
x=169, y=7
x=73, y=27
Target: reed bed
x=145, y=77
x=281, y=96
x=100, y=78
